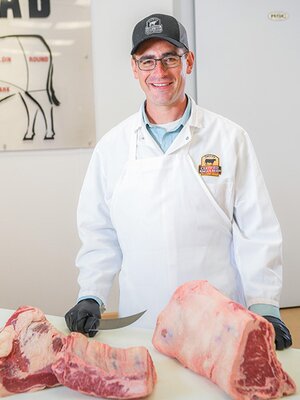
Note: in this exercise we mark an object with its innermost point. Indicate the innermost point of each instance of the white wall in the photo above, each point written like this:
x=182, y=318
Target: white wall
x=39, y=189
x=38, y=236
x=248, y=70
x=184, y=11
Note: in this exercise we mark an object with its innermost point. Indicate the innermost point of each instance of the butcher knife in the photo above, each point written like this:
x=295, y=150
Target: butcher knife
x=115, y=323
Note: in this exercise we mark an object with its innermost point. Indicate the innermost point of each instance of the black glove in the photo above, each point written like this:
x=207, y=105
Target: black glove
x=283, y=338
x=83, y=317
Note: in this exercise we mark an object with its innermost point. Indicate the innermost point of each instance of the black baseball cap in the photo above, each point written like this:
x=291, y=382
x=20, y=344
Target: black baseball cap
x=159, y=26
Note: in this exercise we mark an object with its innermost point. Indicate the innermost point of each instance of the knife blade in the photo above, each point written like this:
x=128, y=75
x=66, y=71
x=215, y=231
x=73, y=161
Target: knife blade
x=115, y=323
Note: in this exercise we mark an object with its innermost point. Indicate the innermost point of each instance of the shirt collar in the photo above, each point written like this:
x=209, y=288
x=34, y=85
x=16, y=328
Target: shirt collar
x=182, y=121
x=195, y=120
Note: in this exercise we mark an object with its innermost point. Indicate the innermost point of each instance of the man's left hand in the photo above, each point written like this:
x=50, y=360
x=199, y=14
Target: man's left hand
x=283, y=338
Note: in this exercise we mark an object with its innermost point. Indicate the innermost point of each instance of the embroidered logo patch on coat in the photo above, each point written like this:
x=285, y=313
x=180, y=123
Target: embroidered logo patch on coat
x=210, y=165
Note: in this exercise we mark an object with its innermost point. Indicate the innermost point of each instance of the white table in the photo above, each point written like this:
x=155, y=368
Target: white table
x=174, y=381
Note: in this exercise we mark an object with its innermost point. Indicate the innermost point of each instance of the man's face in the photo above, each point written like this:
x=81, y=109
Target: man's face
x=162, y=86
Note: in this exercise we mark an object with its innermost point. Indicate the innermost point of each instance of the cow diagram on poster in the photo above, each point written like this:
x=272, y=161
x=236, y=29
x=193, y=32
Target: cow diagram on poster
x=26, y=70
x=46, y=75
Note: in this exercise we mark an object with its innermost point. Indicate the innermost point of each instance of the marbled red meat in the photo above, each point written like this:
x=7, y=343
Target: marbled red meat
x=223, y=341
x=34, y=355
x=29, y=345
x=99, y=370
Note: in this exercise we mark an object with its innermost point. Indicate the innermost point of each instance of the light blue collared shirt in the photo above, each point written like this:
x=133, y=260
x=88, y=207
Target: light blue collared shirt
x=165, y=134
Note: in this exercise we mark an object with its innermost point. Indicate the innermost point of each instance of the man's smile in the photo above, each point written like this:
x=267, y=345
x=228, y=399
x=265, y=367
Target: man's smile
x=160, y=85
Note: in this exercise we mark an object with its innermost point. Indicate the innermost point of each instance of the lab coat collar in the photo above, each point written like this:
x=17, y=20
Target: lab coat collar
x=192, y=126
x=196, y=118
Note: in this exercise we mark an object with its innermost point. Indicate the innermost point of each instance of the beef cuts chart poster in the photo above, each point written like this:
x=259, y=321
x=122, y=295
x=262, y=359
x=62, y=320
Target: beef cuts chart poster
x=46, y=78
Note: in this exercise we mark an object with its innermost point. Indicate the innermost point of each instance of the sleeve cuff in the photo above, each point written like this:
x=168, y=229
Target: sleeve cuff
x=99, y=301
x=265, y=309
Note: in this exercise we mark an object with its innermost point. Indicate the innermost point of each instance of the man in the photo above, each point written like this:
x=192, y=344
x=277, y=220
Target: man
x=174, y=193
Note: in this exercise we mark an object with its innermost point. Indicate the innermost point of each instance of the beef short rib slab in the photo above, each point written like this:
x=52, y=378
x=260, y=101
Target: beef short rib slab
x=222, y=341
x=97, y=369
x=29, y=345
x=34, y=355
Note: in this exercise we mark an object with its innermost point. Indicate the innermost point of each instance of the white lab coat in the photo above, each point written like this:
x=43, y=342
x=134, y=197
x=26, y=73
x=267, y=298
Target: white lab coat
x=152, y=216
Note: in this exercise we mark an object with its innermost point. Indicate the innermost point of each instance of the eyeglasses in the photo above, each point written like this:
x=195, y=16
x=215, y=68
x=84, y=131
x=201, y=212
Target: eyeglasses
x=170, y=61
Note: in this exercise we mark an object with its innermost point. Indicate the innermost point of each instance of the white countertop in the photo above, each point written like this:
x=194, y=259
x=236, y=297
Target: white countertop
x=174, y=381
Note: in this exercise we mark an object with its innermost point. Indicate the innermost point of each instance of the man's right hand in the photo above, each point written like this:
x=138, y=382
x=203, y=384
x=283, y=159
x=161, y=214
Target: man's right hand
x=84, y=316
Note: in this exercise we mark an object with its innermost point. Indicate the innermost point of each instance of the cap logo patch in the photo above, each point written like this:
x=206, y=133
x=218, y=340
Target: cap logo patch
x=210, y=165
x=153, y=25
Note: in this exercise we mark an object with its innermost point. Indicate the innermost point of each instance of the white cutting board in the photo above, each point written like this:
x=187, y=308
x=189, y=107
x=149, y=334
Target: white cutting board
x=174, y=381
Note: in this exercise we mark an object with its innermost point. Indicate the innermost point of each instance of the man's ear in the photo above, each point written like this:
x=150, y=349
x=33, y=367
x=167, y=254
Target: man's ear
x=134, y=68
x=190, y=58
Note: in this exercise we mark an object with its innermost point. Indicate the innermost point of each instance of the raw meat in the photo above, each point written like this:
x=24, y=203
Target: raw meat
x=97, y=369
x=29, y=345
x=34, y=355
x=223, y=341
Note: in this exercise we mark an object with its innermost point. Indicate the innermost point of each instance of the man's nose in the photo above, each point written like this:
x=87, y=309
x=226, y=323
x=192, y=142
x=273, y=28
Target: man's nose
x=160, y=67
